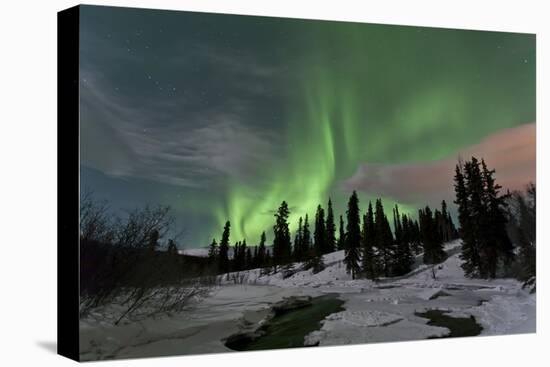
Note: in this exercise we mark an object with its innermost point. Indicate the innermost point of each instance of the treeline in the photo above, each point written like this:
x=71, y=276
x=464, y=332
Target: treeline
x=482, y=217
x=372, y=249
x=491, y=224
x=522, y=231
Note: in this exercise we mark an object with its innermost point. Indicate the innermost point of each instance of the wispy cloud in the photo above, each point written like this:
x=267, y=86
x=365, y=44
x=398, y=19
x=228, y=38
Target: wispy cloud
x=511, y=152
x=122, y=139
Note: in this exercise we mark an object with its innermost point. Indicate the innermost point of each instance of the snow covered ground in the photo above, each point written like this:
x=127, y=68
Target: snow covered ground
x=374, y=311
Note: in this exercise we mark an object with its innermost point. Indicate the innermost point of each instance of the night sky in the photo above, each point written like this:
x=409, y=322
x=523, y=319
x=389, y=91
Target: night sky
x=222, y=117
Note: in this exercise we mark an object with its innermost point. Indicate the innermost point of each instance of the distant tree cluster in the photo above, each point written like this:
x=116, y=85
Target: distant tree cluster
x=372, y=250
x=385, y=253
x=482, y=213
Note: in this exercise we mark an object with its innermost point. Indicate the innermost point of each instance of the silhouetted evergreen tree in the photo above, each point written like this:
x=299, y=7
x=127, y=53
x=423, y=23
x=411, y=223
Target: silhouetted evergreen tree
x=213, y=252
x=255, y=262
x=414, y=229
x=261, y=259
x=522, y=230
x=298, y=249
x=342, y=235
x=281, y=240
x=268, y=261
x=383, y=239
x=353, y=237
x=330, y=241
x=237, y=263
x=497, y=245
x=431, y=238
x=306, y=238
x=474, y=186
x=369, y=259
x=469, y=250
x=248, y=261
x=224, y=249
x=483, y=220
x=319, y=232
x=403, y=255
x=447, y=228
x=313, y=254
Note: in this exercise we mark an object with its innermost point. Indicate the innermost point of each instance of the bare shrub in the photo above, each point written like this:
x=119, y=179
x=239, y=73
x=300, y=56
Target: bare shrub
x=121, y=264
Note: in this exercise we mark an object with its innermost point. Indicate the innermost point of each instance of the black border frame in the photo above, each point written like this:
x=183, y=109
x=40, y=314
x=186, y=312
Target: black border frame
x=68, y=182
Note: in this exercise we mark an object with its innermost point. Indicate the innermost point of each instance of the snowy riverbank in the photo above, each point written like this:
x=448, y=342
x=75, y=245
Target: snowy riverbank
x=373, y=311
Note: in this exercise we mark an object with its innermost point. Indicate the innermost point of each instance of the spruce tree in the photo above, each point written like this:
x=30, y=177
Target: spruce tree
x=261, y=258
x=497, y=244
x=306, y=238
x=369, y=259
x=237, y=263
x=342, y=235
x=431, y=239
x=522, y=229
x=353, y=236
x=330, y=241
x=255, y=262
x=403, y=255
x=383, y=239
x=224, y=249
x=242, y=254
x=213, y=251
x=248, y=260
x=281, y=240
x=319, y=232
x=314, y=254
x=469, y=252
x=298, y=252
x=477, y=212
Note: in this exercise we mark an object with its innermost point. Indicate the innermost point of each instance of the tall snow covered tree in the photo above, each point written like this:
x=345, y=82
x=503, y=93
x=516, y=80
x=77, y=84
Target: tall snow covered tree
x=224, y=249
x=353, y=237
x=478, y=225
x=213, y=251
x=314, y=254
x=497, y=245
x=469, y=252
x=383, y=239
x=319, y=232
x=342, y=235
x=483, y=220
x=522, y=229
x=261, y=258
x=403, y=256
x=306, y=237
x=369, y=259
x=330, y=240
x=431, y=238
x=298, y=252
x=248, y=259
x=281, y=240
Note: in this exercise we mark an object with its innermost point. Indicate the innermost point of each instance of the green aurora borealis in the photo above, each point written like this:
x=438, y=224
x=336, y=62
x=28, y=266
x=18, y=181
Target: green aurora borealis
x=326, y=97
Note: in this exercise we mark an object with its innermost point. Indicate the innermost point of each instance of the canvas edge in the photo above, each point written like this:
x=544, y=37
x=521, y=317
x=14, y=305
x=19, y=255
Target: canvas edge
x=68, y=177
